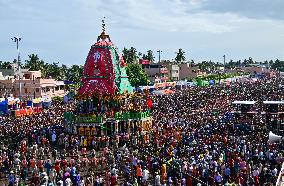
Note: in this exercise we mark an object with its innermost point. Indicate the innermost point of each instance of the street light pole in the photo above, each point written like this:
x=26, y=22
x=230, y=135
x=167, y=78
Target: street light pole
x=159, y=51
x=224, y=62
x=17, y=40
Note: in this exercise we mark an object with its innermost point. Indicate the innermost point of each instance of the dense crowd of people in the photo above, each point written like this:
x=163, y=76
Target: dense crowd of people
x=195, y=140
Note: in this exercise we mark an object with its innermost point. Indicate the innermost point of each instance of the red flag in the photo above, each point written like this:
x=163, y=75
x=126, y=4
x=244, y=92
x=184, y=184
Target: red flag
x=149, y=103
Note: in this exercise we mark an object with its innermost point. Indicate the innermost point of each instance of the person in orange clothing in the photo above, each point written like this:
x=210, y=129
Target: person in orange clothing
x=57, y=168
x=32, y=164
x=139, y=174
x=189, y=181
x=164, y=173
x=146, y=138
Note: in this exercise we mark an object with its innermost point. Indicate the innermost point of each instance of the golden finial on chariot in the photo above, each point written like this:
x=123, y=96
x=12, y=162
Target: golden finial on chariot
x=103, y=35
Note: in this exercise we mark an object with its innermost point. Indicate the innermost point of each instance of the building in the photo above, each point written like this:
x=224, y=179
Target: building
x=11, y=70
x=174, y=71
x=155, y=72
x=250, y=69
x=188, y=72
x=31, y=85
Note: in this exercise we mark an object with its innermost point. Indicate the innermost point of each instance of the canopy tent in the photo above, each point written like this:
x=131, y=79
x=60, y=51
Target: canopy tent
x=202, y=83
x=273, y=102
x=244, y=102
x=212, y=82
x=29, y=103
x=163, y=92
x=4, y=106
x=46, y=104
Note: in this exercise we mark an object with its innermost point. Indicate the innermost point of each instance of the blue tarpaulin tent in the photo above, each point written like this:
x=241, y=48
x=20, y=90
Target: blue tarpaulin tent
x=4, y=106
x=30, y=103
x=46, y=104
x=211, y=82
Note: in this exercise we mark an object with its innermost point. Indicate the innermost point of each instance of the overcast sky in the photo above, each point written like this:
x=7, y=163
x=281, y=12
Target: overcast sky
x=64, y=30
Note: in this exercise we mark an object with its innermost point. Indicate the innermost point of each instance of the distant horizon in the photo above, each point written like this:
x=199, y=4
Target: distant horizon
x=64, y=31
x=156, y=61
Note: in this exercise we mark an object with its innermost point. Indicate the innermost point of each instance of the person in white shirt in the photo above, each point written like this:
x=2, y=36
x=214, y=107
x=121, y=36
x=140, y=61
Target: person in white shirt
x=53, y=138
x=274, y=172
x=157, y=180
x=145, y=176
x=68, y=182
x=255, y=172
x=60, y=183
x=218, y=178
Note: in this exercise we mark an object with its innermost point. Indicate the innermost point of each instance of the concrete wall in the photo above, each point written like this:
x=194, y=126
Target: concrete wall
x=30, y=88
x=174, y=72
x=187, y=72
x=156, y=71
x=152, y=73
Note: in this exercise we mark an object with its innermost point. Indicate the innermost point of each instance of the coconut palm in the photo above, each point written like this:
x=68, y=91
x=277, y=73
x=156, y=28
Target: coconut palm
x=180, y=57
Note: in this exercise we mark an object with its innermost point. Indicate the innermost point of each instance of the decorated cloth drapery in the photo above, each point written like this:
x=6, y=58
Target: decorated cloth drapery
x=104, y=71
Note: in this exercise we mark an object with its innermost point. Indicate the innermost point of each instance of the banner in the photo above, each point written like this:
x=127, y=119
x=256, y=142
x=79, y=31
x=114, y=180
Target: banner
x=46, y=104
x=30, y=103
x=27, y=112
x=69, y=116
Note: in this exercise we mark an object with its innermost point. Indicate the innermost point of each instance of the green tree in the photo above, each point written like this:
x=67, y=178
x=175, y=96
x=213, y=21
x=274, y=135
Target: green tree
x=55, y=71
x=150, y=56
x=238, y=64
x=5, y=64
x=125, y=54
x=144, y=56
x=245, y=62
x=63, y=72
x=278, y=65
x=36, y=64
x=140, y=55
x=130, y=55
x=137, y=76
x=75, y=73
x=180, y=57
x=250, y=61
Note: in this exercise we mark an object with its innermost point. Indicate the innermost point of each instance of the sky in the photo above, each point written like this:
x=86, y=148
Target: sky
x=63, y=31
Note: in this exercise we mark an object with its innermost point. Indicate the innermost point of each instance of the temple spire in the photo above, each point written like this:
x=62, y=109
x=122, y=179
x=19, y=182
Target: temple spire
x=103, y=35
x=103, y=24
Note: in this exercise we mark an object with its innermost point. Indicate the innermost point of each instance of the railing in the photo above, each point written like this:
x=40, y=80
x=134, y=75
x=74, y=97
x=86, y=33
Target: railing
x=69, y=116
x=164, y=71
x=280, y=179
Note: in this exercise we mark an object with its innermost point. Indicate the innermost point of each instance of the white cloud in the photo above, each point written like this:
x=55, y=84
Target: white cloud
x=162, y=15
x=64, y=30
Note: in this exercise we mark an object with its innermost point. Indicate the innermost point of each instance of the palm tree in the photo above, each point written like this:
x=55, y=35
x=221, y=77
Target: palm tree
x=192, y=63
x=5, y=64
x=130, y=55
x=245, y=62
x=238, y=63
x=63, y=72
x=74, y=73
x=35, y=64
x=133, y=55
x=54, y=71
x=140, y=55
x=149, y=56
x=250, y=61
x=180, y=57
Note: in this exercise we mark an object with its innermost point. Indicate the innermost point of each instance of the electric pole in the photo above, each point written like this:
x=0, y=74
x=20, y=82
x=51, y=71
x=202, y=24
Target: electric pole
x=159, y=51
x=224, y=62
x=17, y=40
